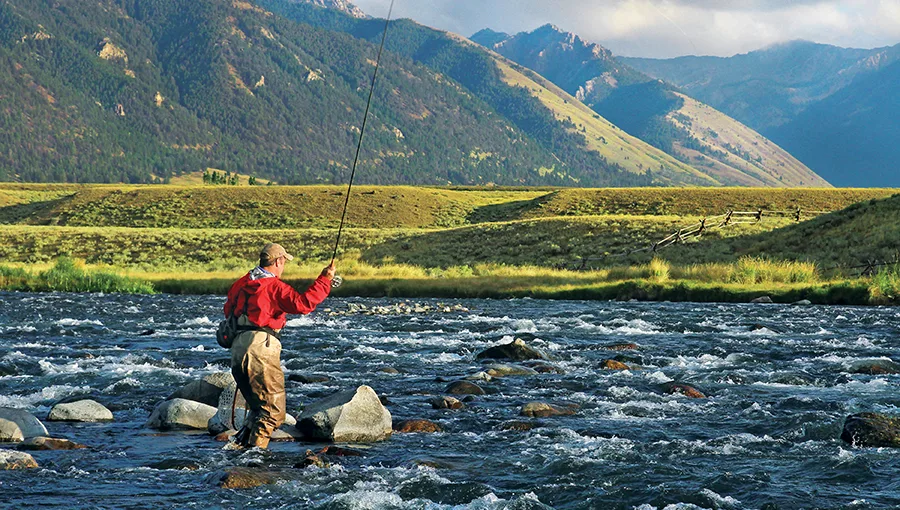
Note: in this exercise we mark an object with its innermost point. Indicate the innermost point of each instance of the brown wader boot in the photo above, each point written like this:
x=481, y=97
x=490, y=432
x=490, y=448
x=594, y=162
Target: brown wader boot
x=256, y=366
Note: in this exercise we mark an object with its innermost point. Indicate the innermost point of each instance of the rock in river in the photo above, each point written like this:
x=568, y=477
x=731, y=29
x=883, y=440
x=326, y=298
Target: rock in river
x=446, y=403
x=611, y=364
x=17, y=425
x=10, y=459
x=544, y=410
x=687, y=390
x=425, y=426
x=232, y=410
x=206, y=390
x=349, y=416
x=517, y=350
x=49, y=443
x=464, y=388
x=876, y=367
x=872, y=429
x=180, y=413
x=505, y=369
x=81, y=410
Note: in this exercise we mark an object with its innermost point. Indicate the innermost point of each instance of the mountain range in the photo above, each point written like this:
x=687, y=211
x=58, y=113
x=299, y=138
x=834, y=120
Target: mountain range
x=834, y=108
x=145, y=90
x=653, y=110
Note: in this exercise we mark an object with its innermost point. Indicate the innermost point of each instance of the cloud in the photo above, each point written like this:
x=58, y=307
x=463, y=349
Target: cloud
x=666, y=28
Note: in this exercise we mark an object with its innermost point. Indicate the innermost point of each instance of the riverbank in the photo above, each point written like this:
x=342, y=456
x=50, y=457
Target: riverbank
x=742, y=282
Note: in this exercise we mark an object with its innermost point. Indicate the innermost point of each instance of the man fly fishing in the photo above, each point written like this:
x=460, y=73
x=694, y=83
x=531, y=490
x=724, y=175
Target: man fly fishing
x=261, y=301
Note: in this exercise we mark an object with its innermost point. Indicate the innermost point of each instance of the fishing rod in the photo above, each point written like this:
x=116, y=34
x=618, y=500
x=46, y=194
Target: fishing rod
x=337, y=280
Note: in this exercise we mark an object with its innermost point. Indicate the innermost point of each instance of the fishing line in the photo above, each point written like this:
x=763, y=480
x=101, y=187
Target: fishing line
x=670, y=20
x=337, y=279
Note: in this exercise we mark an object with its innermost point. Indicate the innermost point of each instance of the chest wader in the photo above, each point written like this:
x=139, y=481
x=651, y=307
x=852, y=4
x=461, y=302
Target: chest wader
x=256, y=367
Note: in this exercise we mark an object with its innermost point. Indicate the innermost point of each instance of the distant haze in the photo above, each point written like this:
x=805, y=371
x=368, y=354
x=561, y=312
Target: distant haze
x=668, y=28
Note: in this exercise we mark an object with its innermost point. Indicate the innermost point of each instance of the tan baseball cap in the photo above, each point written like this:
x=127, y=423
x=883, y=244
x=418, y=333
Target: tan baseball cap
x=273, y=252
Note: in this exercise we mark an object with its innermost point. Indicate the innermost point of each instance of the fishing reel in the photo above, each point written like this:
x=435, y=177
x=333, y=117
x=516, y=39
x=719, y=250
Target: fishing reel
x=336, y=281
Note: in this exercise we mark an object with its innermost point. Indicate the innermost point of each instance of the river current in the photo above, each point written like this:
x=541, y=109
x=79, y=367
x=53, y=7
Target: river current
x=779, y=378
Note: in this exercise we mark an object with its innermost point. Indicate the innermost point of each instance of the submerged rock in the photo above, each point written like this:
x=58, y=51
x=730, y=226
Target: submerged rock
x=520, y=426
x=478, y=376
x=17, y=425
x=206, y=390
x=389, y=370
x=446, y=403
x=464, y=388
x=872, y=429
x=248, y=478
x=86, y=410
x=349, y=416
x=410, y=426
x=875, y=367
x=308, y=379
x=802, y=302
x=544, y=410
x=517, y=350
x=611, y=364
x=11, y=459
x=621, y=347
x=687, y=390
x=545, y=368
x=504, y=370
x=175, y=464
x=181, y=414
x=49, y=443
x=762, y=300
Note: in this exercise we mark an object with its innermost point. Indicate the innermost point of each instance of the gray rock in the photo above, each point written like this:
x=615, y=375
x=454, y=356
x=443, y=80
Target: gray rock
x=762, y=300
x=464, y=388
x=181, y=413
x=83, y=410
x=872, y=429
x=11, y=459
x=206, y=390
x=504, y=370
x=875, y=367
x=17, y=425
x=349, y=416
x=479, y=376
x=517, y=350
x=802, y=302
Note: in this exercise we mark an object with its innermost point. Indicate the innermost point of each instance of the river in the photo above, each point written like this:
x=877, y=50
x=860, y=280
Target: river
x=779, y=378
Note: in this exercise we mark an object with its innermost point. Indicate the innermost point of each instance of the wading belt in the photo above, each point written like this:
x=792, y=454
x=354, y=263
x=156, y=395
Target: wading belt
x=253, y=327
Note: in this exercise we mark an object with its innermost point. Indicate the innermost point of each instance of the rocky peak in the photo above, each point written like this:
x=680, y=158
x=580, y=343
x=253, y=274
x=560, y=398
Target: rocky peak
x=339, y=5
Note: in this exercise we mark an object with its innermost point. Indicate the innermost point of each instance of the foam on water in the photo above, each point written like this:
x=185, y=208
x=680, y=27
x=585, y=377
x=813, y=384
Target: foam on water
x=50, y=393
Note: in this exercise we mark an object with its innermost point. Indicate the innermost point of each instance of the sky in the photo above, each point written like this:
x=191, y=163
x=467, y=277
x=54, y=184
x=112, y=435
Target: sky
x=668, y=28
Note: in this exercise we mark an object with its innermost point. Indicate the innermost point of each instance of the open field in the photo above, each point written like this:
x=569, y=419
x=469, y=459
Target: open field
x=445, y=242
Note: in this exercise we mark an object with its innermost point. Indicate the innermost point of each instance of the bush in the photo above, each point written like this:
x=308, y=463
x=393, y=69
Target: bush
x=885, y=286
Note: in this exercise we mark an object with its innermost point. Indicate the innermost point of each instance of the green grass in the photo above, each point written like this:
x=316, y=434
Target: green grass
x=66, y=276
x=461, y=242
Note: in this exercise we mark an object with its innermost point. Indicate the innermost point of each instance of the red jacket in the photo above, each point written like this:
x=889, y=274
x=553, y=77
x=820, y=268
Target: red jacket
x=271, y=299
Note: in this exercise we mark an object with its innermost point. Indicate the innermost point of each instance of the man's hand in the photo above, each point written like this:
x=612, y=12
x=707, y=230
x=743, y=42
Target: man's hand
x=328, y=272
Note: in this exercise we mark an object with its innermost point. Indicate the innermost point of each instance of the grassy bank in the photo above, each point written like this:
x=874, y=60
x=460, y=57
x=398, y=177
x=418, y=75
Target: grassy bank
x=417, y=242
x=658, y=280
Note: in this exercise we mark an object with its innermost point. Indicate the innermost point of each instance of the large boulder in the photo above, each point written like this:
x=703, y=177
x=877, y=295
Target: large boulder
x=206, y=390
x=349, y=416
x=872, y=429
x=81, y=410
x=179, y=414
x=232, y=411
x=517, y=350
x=17, y=425
x=10, y=459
